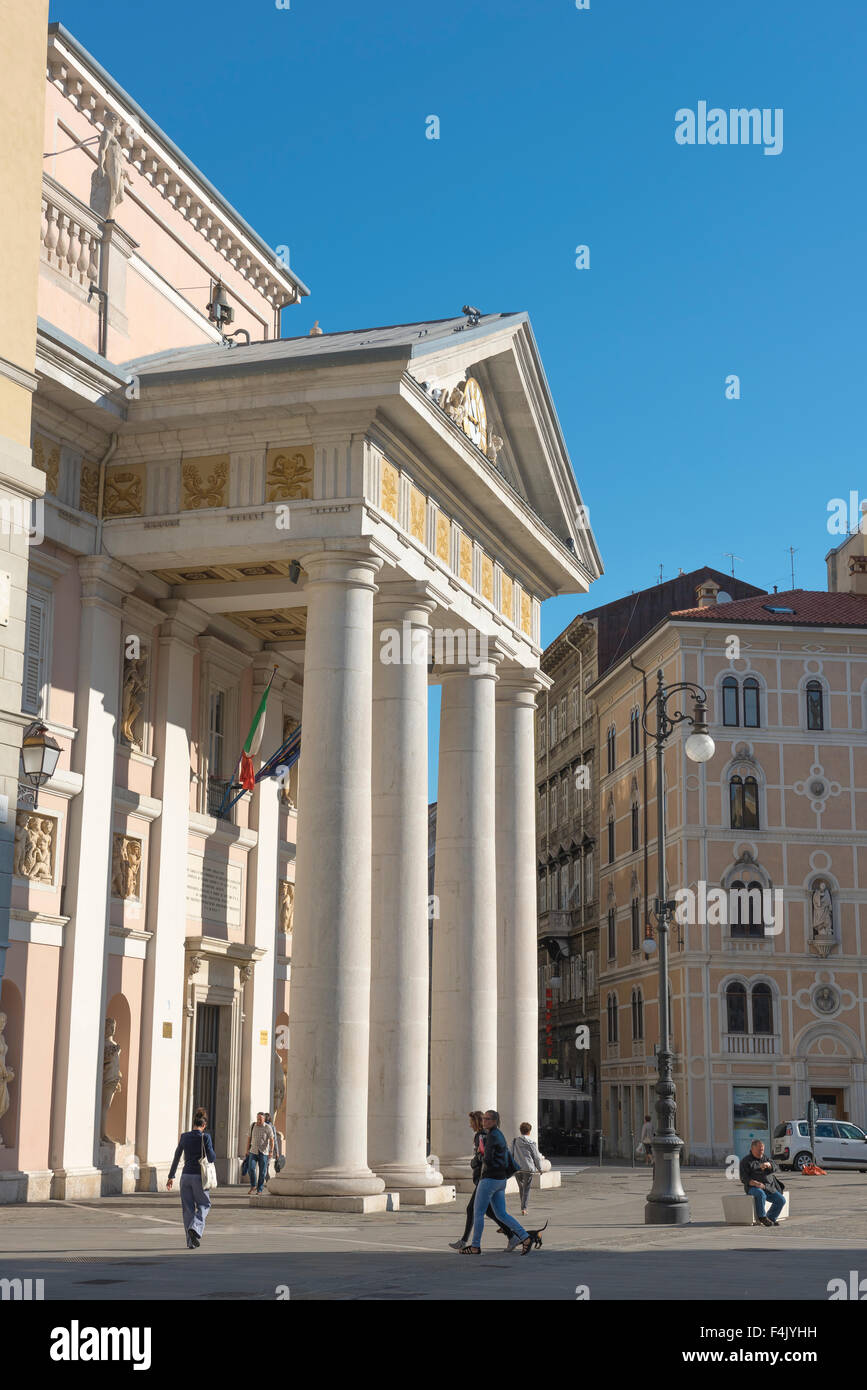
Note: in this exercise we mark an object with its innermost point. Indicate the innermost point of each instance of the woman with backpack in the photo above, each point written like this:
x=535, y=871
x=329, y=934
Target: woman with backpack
x=497, y=1167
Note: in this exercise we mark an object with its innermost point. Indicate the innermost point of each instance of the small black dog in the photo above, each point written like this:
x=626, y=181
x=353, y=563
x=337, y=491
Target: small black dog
x=536, y=1237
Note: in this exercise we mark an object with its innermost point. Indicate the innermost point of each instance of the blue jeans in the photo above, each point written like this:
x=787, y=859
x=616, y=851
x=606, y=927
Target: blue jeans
x=493, y=1191
x=776, y=1201
x=258, y=1164
x=195, y=1203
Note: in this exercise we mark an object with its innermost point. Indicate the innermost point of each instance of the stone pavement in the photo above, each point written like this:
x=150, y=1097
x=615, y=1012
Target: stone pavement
x=133, y=1247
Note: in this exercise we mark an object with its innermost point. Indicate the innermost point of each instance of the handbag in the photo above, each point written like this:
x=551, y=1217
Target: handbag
x=207, y=1169
x=279, y=1164
x=245, y=1166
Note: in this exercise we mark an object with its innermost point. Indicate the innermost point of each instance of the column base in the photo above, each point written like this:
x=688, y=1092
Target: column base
x=666, y=1214
x=426, y=1196
x=73, y=1184
x=154, y=1176
x=25, y=1186
x=326, y=1183
x=375, y=1202
x=399, y=1176
x=547, y=1179
x=119, y=1167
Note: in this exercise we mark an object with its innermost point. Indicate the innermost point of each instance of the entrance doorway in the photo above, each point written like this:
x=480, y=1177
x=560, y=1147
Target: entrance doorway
x=205, y=1062
x=830, y=1103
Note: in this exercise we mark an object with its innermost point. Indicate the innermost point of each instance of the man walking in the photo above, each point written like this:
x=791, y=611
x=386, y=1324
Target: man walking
x=757, y=1174
x=259, y=1149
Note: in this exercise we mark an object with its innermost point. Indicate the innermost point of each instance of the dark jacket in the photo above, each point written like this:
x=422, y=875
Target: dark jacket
x=190, y=1145
x=476, y=1160
x=495, y=1163
x=751, y=1168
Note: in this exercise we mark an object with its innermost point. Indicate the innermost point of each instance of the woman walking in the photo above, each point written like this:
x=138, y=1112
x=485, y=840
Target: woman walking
x=528, y=1159
x=195, y=1144
x=492, y=1186
x=475, y=1119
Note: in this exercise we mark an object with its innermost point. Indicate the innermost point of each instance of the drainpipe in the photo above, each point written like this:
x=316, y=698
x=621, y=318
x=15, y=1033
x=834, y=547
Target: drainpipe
x=107, y=456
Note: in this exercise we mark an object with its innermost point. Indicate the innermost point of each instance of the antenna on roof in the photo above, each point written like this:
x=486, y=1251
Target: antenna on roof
x=473, y=315
x=659, y=580
x=792, y=553
x=732, y=557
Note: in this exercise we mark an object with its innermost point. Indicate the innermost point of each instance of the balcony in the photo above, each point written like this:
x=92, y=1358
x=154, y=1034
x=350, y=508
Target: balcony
x=70, y=235
x=751, y=1044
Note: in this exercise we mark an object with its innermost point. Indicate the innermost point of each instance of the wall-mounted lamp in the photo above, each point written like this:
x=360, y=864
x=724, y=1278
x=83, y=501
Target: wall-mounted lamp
x=39, y=756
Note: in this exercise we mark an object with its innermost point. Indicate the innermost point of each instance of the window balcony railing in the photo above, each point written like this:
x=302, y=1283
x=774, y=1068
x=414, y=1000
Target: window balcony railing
x=216, y=791
x=754, y=1044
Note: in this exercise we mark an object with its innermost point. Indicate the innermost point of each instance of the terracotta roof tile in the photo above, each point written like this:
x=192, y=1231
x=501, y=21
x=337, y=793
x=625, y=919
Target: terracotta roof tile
x=812, y=608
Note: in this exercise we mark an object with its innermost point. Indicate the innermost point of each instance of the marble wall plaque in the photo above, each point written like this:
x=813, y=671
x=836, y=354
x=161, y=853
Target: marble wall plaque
x=214, y=891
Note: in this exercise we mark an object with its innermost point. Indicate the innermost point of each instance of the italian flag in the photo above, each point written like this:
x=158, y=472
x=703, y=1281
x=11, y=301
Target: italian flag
x=253, y=741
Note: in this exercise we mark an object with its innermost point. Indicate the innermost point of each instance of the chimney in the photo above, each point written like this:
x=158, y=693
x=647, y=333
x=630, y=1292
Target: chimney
x=858, y=574
x=706, y=594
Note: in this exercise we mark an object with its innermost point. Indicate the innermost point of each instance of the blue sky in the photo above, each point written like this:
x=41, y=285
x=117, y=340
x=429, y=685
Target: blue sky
x=557, y=129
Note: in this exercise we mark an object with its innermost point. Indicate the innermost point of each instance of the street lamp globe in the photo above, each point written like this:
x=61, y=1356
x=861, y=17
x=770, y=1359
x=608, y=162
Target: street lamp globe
x=648, y=946
x=700, y=748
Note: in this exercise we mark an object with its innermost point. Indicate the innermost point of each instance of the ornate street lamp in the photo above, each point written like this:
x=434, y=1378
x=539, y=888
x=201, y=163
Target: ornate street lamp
x=667, y=1203
x=39, y=755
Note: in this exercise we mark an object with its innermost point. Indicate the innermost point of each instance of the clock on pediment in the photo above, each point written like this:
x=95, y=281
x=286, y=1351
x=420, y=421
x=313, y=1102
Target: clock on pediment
x=475, y=421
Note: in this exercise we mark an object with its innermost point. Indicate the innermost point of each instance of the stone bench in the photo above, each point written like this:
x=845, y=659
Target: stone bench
x=740, y=1210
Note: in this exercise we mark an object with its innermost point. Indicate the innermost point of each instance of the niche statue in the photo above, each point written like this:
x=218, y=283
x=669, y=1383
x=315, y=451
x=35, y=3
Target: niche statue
x=6, y=1073
x=111, y=1076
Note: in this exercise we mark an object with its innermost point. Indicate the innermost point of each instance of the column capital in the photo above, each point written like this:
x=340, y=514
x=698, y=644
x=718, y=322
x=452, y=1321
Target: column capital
x=105, y=580
x=521, y=686
x=403, y=600
x=354, y=568
x=183, y=621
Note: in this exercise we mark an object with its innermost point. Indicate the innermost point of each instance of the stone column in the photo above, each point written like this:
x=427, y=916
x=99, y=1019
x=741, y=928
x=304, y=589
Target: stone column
x=464, y=995
x=78, y=1074
x=515, y=817
x=159, y=1081
x=397, y=1110
x=329, y=1012
x=261, y=932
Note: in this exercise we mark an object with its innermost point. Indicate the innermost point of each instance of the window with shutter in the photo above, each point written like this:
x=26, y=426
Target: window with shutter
x=36, y=653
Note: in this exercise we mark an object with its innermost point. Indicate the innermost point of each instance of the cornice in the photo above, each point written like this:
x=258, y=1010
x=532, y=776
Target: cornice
x=94, y=93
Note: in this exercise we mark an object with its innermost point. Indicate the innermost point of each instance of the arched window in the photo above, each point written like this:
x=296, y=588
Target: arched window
x=751, y=703
x=634, y=732
x=763, y=1009
x=635, y=827
x=736, y=1008
x=612, y=933
x=744, y=803
x=746, y=909
x=730, y=701
x=612, y=1018
x=637, y=1014
x=636, y=925
x=610, y=839
x=610, y=743
x=815, y=705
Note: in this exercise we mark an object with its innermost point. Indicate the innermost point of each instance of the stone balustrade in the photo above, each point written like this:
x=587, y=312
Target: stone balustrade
x=70, y=234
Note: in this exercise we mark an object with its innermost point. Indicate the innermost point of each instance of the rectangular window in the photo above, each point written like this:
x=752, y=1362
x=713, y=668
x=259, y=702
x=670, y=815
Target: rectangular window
x=588, y=876
x=573, y=697
x=541, y=723
x=553, y=805
x=563, y=717
x=591, y=972
x=36, y=639
x=636, y=926
x=543, y=812
x=576, y=883
x=611, y=841
x=216, y=750
x=564, y=888
x=553, y=722
x=564, y=800
x=612, y=933
x=635, y=827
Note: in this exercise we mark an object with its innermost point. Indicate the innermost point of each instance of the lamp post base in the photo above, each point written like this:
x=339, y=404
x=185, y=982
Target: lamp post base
x=667, y=1203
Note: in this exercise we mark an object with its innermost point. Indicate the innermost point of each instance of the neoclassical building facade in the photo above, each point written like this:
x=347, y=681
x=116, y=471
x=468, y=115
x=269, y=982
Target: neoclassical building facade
x=343, y=520
x=767, y=858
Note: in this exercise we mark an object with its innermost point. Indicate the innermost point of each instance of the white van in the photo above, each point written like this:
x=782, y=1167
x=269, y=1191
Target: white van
x=839, y=1144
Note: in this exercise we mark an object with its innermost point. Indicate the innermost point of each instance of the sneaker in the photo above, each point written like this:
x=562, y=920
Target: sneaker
x=458, y=1244
x=195, y=1240
x=514, y=1242
x=766, y=1221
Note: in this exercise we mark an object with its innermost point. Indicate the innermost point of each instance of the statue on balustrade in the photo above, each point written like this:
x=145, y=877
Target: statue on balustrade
x=110, y=174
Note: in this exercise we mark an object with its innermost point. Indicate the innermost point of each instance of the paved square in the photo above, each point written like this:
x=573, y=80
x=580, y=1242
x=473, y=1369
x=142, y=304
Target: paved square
x=133, y=1247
